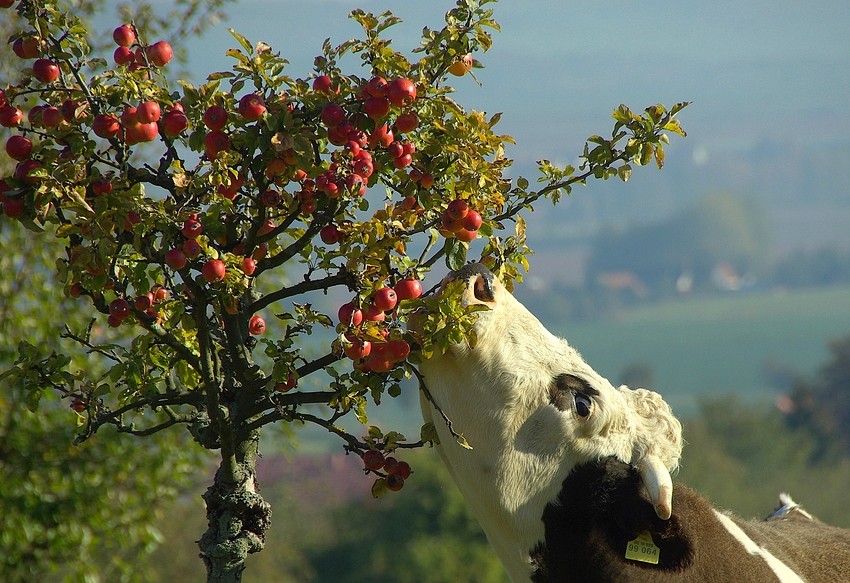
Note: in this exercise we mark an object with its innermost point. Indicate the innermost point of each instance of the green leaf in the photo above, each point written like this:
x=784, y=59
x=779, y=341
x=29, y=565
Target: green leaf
x=246, y=44
x=455, y=254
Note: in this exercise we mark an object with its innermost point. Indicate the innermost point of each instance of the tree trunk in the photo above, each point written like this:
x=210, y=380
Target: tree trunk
x=237, y=516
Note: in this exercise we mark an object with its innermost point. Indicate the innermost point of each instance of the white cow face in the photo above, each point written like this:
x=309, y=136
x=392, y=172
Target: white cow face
x=531, y=409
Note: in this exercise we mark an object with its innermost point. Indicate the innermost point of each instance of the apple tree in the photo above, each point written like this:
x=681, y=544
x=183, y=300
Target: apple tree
x=192, y=216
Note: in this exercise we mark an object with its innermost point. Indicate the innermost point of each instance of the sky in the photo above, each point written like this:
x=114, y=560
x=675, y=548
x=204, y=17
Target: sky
x=557, y=69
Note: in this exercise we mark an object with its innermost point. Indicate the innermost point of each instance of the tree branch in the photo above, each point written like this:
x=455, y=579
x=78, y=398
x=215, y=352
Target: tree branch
x=342, y=278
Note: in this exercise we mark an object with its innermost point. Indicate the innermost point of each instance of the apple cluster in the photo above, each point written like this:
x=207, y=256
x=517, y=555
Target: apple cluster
x=136, y=124
x=388, y=347
x=460, y=221
x=396, y=472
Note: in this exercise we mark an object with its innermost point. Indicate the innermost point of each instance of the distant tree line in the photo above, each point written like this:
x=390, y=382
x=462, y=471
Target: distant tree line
x=722, y=243
x=821, y=404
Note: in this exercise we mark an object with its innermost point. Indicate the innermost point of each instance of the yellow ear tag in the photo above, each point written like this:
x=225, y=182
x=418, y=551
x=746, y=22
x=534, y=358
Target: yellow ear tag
x=643, y=549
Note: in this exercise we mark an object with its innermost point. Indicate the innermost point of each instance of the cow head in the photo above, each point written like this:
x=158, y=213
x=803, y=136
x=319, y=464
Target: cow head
x=531, y=409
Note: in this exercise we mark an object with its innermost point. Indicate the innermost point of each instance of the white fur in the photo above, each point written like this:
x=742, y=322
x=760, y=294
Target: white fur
x=497, y=396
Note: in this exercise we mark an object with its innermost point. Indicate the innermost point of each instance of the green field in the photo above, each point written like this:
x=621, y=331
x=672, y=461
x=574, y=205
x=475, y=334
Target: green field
x=713, y=346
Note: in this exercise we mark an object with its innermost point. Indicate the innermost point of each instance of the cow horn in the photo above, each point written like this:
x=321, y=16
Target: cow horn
x=656, y=478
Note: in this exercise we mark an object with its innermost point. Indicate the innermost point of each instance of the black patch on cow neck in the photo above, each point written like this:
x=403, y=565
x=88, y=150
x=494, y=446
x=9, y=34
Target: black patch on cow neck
x=600, y=508
x=563, y=389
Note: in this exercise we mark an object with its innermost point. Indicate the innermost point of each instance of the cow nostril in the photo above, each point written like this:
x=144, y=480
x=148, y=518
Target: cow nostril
x=483, y=289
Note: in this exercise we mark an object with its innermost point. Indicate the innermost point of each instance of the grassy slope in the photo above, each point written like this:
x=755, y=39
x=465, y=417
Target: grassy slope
x=704, y=346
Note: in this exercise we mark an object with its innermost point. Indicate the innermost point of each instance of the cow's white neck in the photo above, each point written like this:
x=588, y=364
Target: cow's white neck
x=512, y=470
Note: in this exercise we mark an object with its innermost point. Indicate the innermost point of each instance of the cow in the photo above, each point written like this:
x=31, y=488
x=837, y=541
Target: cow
x=530, y=409
x=601, y=528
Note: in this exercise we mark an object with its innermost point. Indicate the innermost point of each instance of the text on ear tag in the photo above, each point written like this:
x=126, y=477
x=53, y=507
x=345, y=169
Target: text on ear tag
x=643, y=549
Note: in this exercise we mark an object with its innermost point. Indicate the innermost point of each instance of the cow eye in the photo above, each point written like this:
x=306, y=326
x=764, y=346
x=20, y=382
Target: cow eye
x=583, y=405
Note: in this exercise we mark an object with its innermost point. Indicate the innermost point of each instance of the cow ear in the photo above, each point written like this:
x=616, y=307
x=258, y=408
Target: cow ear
x=635, y=516
x=665, y=547
x=676, y=549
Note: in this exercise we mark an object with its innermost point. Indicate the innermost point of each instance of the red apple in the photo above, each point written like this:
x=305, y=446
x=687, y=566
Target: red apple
x=124, y=35
x=449, y=224
x=101, y=186
x=18, y=147
x=173, y=123
x=73, y=110
x=51, y=117
x=252, y=106
x=472, y=221
x=215, y=141
x=144, y=302
x=24, y=170
x=395, y=149
x=13, y=206
x=159, y=53
x=214, y=270
x=363, y=167
x=322, y=83
x=215, y=117
x=141, y=132
x=402, y=470
x=123, y=56
x=332, y=115
x=45, y=70
x=105, y=126
x=175, y=258
x=407, y=122
x=374, y=314
x=290, y=383
x=330, y=234
x=377, y=87
x=119, y=308
x=358, y=349
x=27, y=47
x=376, y=107
x=192, y=228
x=457, y=209
x=249, y=266
x=401, y=92
x=373, y=460
x=466, y=235
x=191, y=248
x=408, y=289
x=462, y=66
x=385, y=299
x=403, y=161
x=256, y=325
x=148, y=111
x=350, y=315
x=397, y=350
x=394, y=482
x=379, y=364
x=10, y=116
x=271, y=198
x=355, y=185
x=160, y=294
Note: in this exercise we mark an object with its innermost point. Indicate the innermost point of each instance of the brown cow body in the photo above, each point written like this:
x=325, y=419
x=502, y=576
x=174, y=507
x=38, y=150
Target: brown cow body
x=601, y=508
